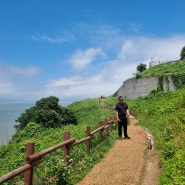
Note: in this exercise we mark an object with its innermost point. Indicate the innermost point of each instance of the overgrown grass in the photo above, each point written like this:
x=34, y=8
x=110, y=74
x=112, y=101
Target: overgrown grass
x=88, y=113
x=164, y=115
x=175, y=68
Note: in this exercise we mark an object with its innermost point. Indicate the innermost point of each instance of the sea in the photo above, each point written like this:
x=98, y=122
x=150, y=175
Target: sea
x=9, y=112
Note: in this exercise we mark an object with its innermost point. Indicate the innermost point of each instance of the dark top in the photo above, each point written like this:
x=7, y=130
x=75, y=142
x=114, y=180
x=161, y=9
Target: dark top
x=121, y=108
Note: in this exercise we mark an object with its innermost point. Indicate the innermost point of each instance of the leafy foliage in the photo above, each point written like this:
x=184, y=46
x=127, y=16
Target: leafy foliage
x=48, y=113
x=163, y=114
x=174, y=69
x=182, y=54
x=87, y=113
x=141, y=67
x=169, y=68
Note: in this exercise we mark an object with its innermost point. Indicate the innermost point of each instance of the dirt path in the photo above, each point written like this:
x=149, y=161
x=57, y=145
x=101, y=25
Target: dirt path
x=129, y=162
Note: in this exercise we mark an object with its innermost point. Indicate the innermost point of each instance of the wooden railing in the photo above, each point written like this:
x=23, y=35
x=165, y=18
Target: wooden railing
x=34, y=159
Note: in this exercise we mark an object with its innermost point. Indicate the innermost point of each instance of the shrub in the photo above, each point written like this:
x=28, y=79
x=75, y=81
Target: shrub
x=48, y=113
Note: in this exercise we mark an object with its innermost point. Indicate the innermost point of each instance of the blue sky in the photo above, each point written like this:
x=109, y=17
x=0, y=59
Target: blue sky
x=77, y=49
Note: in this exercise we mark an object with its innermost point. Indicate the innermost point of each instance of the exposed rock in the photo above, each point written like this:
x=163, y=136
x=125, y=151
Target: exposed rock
x=135, y=88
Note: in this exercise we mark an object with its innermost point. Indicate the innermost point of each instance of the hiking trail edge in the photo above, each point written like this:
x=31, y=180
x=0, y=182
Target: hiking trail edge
x=128, y=162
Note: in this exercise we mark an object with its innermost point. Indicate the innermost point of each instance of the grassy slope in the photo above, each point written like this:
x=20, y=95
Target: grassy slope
x=175, y=68
x=162, y=113
x=88, y=113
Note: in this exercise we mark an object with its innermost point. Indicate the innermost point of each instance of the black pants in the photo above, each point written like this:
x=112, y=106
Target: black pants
x=122, y=123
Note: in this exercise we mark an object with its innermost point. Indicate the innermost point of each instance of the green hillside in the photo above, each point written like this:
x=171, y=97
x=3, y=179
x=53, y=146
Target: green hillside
x=175, y=69
x=169, y=68
x=87, y=113
x=162, y=113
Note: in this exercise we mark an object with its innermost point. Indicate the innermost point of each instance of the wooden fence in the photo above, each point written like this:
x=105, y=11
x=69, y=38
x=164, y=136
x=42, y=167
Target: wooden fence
x=34, y=159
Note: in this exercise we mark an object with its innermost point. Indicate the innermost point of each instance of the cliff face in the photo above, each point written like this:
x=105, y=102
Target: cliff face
x=141, y=87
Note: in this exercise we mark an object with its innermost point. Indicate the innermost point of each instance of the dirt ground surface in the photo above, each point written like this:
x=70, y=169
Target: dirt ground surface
x=129, y=162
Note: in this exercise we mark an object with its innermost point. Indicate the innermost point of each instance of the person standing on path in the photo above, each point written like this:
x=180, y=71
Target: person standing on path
x=122, y=113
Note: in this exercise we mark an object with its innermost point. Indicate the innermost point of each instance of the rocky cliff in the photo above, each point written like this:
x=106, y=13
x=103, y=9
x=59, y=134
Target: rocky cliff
x=135, y=88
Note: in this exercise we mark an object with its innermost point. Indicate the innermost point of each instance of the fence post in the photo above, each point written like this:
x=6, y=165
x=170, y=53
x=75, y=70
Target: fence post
x=100, y=132
x=106, y=129
x=28, y=175
x=66, y=148
x=111, y=125
x=88, y=143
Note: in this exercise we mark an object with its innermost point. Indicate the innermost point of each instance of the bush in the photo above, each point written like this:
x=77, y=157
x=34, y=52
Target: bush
x=48, y=113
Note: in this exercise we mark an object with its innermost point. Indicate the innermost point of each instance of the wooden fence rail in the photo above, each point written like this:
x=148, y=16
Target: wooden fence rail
x=34, y=159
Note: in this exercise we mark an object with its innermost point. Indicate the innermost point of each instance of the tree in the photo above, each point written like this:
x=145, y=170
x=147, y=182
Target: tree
x=182, y=55
x=48, y=113
x=141, y=67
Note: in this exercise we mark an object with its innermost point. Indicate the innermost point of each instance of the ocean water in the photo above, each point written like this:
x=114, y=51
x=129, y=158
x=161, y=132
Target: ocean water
x=9, y=112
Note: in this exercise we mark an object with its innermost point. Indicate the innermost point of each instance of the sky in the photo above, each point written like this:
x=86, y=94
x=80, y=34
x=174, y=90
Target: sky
x=78, y=49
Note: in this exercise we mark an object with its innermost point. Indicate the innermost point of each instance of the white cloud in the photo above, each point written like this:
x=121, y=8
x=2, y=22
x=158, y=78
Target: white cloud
x=28, y=71
x=135, y=27
x=142, y=48
x=12, y=70
x=58, y=39
x=81, y=59
x=109, y=78
x=90, y=86
x=10, y=85
x=104, y=80
x=6, y=87
x=62, y=82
